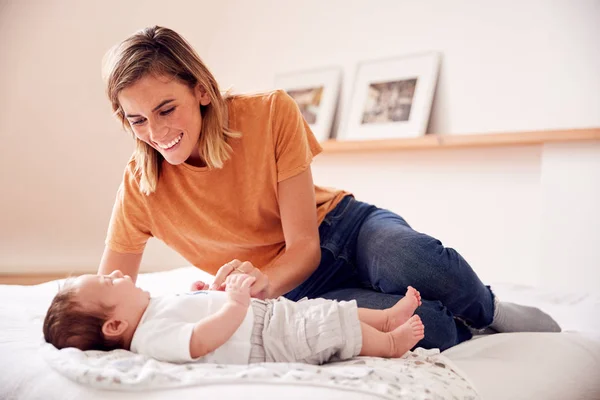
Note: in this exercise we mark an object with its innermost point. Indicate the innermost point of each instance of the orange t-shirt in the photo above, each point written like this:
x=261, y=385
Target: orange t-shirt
x=213, y=216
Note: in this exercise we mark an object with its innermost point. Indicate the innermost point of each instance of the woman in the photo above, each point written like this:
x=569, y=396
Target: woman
x=221, y=178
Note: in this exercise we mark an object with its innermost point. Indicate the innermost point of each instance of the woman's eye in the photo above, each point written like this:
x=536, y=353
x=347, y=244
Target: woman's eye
x=163, y=113
x=167, y=112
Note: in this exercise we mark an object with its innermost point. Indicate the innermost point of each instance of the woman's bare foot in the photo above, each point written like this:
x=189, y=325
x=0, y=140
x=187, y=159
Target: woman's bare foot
x=407, y=335
x=402, y=310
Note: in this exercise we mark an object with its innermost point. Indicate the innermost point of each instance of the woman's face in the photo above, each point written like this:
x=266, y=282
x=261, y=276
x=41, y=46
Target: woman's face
x=165, y=113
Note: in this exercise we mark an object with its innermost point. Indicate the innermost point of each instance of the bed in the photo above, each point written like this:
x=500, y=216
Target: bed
x=501, y=366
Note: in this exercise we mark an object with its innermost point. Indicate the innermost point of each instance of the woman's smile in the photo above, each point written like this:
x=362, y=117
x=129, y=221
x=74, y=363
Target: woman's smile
x=172, y=145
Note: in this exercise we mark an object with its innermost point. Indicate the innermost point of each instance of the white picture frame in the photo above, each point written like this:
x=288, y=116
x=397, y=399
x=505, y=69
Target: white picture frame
x=316, y=92
x=392, y=98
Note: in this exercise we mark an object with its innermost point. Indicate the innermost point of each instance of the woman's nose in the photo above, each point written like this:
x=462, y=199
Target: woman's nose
x=157, y=131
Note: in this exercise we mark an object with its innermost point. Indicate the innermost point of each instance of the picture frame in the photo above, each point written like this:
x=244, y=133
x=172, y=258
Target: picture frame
x=316, y=92
x=392, y=98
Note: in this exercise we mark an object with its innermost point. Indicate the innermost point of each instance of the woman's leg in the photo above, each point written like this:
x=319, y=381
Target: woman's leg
x=390, y=256
x=372, y=255
x=337, y=277
x=441, y=329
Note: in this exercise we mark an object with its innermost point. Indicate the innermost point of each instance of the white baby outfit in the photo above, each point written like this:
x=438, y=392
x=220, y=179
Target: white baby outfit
x=277, y=330
x=165, y=330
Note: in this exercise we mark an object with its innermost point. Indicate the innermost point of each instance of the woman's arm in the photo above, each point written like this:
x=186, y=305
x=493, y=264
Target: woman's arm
x=127, y=263
x=302, y=255
x=297, y=206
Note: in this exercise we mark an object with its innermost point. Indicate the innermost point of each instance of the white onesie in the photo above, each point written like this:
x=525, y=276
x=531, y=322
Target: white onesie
x=165, y=330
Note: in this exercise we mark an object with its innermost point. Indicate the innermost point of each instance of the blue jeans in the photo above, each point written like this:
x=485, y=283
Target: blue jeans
x=371, y=255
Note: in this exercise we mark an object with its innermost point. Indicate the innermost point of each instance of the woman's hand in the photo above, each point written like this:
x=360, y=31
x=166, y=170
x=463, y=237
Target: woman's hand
x=237, y=287
x=260, y=288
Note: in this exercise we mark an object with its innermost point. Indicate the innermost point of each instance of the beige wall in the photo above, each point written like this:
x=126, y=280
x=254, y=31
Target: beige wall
x=63, y=154
x=506, y=66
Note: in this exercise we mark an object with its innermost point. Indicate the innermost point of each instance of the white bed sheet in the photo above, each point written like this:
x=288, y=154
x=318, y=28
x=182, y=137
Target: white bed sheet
x=513, y=366
x=544, y=366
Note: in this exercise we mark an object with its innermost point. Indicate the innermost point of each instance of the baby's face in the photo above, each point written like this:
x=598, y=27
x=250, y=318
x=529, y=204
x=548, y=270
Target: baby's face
x=114, y=290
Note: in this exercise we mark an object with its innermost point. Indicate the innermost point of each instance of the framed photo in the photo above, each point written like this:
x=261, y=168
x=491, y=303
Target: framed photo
x=316, y=93
x=392, y=98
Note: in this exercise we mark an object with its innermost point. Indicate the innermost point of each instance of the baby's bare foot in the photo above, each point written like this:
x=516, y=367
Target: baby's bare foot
x=402, y=310
x=407, y=335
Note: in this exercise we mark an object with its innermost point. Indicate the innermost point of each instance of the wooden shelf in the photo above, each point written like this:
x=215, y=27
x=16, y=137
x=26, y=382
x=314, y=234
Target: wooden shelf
x=434, y=141
x=30, y=278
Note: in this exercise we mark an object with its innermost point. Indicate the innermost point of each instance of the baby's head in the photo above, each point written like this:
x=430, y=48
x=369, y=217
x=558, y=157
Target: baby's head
x=95, y=312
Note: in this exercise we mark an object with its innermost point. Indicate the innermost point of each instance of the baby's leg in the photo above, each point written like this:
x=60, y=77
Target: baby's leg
x=389, y=319
x=391, y=344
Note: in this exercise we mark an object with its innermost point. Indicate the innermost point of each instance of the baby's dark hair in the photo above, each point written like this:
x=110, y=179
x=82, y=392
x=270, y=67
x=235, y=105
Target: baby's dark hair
x=69, y=324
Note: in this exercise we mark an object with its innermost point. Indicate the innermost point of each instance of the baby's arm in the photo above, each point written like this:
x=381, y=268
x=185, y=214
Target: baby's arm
x=212, y=332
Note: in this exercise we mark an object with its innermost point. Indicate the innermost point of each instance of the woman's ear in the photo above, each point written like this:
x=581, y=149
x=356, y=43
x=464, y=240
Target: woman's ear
x=114, y=328
x=202, y=95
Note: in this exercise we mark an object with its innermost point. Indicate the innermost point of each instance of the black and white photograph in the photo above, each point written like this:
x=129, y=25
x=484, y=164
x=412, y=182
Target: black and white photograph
x=391, y=98
x=389, y=101
x=316, y=93
x=309, y=102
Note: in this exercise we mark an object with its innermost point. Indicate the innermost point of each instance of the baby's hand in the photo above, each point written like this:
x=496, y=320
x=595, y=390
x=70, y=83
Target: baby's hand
x=237, y=287
x=199, y=285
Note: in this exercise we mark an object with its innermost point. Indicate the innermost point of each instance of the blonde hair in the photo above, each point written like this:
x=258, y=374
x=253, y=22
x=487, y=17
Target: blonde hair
x=163, y=52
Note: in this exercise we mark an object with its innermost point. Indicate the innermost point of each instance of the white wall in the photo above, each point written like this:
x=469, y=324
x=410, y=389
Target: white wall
x=516, y=214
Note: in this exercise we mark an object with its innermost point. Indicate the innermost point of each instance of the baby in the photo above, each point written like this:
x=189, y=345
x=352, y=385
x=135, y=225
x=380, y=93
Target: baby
x=106, y=312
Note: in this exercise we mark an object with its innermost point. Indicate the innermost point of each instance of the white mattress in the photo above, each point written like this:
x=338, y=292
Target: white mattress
x=503, y=366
